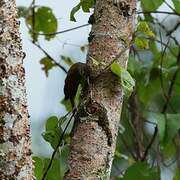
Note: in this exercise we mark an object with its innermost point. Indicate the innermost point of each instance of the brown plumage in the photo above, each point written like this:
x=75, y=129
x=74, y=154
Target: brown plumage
x=75, y=76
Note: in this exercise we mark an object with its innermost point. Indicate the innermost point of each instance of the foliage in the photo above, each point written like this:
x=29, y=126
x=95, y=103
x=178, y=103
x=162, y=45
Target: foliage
x=86, y=5
x=43, y=20
x=47, y=64
x=153, y=76
x=141, y=170
x=126, y=81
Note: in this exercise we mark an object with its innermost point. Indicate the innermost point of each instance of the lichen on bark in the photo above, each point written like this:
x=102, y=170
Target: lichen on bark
x=15, y=159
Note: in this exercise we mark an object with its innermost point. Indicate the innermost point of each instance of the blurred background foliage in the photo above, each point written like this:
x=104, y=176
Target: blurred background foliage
x=148, y=145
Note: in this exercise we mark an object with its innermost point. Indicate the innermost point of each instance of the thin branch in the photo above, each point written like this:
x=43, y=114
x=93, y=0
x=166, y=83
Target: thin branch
x=161, y=66
x=170, y=90
x=137, y=123
x=170, y=6
x=168, y=33
x=57, y=64
x=60, y=32
x=33, y=20
x=69, y=44
x=159, y=12
x=164, y=44
x=59, y=143
x=127, y=147
x=173, y=29
x=150, y=144
x=150, y=122
x=136, y=53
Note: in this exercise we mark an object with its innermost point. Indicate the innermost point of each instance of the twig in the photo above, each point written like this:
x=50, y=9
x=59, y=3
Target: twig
x=164, y=44
x=150, y=144
x=168, y=33
x=161, y=66
x=59, y=143
x=137, y=123
x=127, y=147
x=57, y=64
x=33, y=20
x=159, y=12
x=170, y=6
x=170, y=90
x=60, y=32
x=173, y=29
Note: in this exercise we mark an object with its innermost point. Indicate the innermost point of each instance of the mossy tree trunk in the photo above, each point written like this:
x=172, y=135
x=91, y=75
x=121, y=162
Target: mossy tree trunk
x=15, y=154
x=94, y=137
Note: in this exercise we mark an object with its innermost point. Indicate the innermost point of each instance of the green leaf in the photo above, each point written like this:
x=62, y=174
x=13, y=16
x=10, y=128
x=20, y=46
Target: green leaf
x=177, y=175
x=152, y=5
x=143, y=27
x=176, y=5
x=48, y=64
x=54, y=172
x=116, y=69
x=38, y=170
x=168, y=150
x=172, y=125
x=52, y=123
x=73, y=12
x=141, y=43
x=65, y=151
x=53, y=131
x=44, y=22
x=141, y=171
x=67, y=60
x=127, y=82
x=150, y=34
x=52, y=137
x=86, y=5
x=67, y=104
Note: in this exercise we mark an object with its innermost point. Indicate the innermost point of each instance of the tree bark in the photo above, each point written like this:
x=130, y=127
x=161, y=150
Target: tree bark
x=97, y=120
x=15, y=154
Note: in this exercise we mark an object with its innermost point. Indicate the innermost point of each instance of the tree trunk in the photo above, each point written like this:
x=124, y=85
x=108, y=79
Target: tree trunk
x=94, y=137
x=15, y=154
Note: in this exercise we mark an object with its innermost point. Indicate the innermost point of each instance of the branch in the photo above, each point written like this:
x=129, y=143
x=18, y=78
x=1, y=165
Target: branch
x=60, y=32
x=57, y=64
x=169, y=95
x=150, y=144
x=33, y=19
x=173, y=29
x=59, y=143
x=170, y=6
x=161, y=65
x=127, y=147
x=164, y=44
x=137, y=123
x=168, y=33
x=159, y=12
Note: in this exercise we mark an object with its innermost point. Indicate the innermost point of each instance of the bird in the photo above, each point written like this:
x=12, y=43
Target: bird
x=76, y=75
